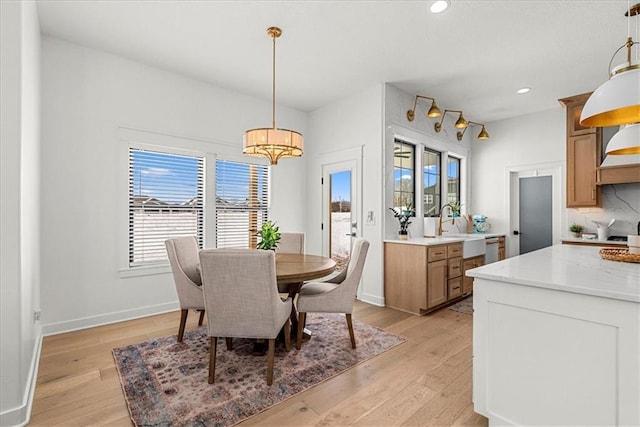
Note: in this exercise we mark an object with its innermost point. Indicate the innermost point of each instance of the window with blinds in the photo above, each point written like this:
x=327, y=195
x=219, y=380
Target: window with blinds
x=166, y=194
x=242, y=203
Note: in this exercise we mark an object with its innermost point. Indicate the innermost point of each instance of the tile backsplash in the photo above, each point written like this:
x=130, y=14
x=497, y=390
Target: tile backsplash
x=619, y=201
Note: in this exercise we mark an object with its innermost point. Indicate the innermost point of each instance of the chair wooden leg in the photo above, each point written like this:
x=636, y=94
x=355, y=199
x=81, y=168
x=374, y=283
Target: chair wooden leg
x=270, y=356
x=350, y=324
x=229, y=343
x=287, y=335
x=201, y=319
x=183, y=321
x=212, y=358
x=301, y=319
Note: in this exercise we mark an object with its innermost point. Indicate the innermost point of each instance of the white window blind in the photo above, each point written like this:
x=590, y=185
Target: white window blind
x=165, y=201
x=242, y=203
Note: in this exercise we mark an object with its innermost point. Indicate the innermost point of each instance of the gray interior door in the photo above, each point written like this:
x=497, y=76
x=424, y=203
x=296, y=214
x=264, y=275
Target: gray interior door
x=535, y=213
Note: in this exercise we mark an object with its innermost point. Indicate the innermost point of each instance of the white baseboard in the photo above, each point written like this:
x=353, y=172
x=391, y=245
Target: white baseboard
x=372, y=299
x=21, y=415
x=108, y=318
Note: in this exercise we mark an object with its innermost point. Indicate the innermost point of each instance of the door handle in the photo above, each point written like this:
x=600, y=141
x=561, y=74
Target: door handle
x=516, y=233
x=351, y=234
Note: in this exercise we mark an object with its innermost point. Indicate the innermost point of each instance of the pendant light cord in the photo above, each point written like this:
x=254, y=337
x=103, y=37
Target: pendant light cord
x=273, y=102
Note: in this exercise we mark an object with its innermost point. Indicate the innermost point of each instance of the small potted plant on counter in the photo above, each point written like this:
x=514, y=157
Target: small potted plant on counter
x=403, y=216
x=576, y=229
x=270, y=235
x=455, y=209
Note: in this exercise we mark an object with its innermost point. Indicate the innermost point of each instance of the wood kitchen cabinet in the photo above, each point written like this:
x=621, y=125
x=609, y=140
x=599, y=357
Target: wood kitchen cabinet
x=584, y=148
x=405, y=276
x=437, y=286
x=501, y=248
x=422, y=278
x=468, y=264
x=454, y=271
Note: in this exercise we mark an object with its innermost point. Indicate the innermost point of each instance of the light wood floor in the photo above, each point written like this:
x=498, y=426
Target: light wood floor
x=424, y=382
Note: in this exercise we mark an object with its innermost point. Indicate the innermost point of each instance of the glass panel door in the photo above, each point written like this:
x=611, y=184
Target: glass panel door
x=340, y=224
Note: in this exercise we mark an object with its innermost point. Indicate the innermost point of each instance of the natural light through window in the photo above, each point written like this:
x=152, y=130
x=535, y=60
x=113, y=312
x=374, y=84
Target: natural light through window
x=403, y=173
x=242, y=203
x=431, y=182
x=165, y=201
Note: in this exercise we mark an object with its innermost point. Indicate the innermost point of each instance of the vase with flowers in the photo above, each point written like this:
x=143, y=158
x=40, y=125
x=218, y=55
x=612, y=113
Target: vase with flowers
x=403, y=216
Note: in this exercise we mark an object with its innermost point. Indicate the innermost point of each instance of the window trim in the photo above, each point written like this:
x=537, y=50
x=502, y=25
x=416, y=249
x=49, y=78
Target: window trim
x=130, y=137
x=416, y=161
x=133, y=236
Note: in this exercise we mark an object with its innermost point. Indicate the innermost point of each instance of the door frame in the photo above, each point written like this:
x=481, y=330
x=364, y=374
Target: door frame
x=512, y=205
x=328, y=162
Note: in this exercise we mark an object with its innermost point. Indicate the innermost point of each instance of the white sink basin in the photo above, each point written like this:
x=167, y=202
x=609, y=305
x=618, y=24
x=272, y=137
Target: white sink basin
x=473, y=246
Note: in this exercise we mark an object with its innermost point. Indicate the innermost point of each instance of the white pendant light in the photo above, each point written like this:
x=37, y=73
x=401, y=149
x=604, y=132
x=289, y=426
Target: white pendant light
x=626, y=141
x=617, y=101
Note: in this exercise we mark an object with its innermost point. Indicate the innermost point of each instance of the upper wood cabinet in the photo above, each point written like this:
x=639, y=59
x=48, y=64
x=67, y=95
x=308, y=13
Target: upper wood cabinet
x=584, y=148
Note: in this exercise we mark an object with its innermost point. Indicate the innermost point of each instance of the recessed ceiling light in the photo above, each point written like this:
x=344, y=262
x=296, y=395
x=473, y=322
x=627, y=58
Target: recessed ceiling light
x=439, y=6
x=523, y=90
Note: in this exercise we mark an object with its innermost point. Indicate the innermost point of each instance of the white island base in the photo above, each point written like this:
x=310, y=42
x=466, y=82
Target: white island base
x=556, y=339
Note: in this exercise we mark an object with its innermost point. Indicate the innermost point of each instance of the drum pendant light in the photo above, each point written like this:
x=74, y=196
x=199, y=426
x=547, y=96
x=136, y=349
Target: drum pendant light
x=273, y=143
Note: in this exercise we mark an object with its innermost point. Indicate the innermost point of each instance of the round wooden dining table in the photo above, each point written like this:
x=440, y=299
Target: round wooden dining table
x=294, y=269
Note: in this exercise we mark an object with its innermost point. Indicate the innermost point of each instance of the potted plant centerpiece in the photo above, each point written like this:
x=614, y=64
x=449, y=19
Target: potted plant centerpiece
x=576, y=229
x=403, y=216
x=270, y=235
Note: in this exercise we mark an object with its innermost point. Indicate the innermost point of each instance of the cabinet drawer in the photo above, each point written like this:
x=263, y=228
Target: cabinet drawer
x=455, y=288
x=455, y=267
x=436, y=253
x=454, y=250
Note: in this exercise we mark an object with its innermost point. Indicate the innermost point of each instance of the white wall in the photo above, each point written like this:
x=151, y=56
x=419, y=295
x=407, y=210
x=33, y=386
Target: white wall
x=528, y=140
x=353, y=122
x=19, y=208
x=88, y=96
x=540, y=139
x=421, y=133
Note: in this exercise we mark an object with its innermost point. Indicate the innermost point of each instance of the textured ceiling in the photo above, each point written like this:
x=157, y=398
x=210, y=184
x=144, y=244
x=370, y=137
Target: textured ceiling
x=472, y=57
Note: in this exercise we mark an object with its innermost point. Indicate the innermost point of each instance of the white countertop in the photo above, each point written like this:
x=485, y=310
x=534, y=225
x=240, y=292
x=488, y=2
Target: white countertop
x=444, y=239
x=596, y=242
x=569, y=268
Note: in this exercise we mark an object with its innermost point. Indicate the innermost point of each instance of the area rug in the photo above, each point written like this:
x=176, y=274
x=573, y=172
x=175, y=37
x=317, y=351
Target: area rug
x=165, y=382
x=465, y=306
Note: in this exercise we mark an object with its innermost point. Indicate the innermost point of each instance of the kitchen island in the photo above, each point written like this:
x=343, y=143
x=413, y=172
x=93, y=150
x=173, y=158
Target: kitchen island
x=556, y=339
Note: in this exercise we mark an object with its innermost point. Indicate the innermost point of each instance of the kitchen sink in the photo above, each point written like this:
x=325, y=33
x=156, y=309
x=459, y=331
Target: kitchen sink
x=472, y=245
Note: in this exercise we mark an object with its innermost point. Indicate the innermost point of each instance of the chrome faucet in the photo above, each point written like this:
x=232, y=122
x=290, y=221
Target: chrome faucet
x=440, y=217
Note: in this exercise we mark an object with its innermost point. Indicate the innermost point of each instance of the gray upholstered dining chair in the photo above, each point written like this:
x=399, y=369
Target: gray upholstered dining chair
x=241, y=300
x=183, y=258
x=336, y=295
x=289, y=243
